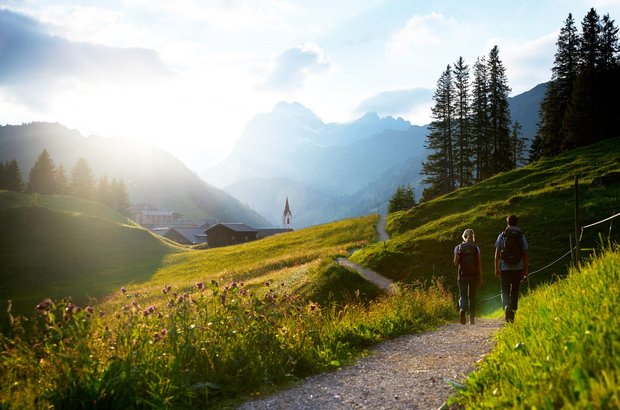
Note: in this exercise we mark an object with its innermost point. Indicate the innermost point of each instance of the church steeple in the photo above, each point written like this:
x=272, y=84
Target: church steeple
x=287, y=216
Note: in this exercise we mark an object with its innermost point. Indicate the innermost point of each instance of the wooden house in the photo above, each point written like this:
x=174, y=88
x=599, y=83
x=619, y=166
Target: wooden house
x=225, y=234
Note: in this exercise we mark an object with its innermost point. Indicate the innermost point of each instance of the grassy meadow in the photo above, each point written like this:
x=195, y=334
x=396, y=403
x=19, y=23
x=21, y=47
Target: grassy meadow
x=563, y=351
x=206, y=328
x=541, y=194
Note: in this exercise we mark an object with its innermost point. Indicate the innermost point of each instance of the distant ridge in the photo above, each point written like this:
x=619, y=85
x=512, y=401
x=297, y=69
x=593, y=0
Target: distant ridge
x=151, y=175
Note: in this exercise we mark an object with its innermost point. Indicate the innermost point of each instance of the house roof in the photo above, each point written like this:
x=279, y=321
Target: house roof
x=193, y=235
x=157, y=213
x=237, y=227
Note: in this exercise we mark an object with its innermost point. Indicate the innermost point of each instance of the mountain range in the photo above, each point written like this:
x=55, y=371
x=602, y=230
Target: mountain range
x=333, y=171
x=151, y=175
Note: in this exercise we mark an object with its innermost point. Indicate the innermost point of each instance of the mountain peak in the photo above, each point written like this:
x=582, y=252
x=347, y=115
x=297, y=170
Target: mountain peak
x=292, y=109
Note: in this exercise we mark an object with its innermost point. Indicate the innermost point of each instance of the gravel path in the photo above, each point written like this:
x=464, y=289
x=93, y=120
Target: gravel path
x=410, y=372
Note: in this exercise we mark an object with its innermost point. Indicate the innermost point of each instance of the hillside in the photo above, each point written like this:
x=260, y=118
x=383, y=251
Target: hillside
x=541, y=194
x=54, y=246
x=151, y=175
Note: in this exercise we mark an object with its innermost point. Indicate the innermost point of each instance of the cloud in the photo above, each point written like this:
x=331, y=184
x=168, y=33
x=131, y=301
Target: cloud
x=35, y=62
x=396, y=102
x=420, y=33
x=290, y=68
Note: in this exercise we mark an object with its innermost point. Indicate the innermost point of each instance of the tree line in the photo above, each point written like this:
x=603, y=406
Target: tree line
x=579, y=105
x=47, y=178
x=471, y=137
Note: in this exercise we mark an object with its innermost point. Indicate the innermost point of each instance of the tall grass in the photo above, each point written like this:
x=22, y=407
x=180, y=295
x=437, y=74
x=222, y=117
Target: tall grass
x=198, y=348
x=563, y=351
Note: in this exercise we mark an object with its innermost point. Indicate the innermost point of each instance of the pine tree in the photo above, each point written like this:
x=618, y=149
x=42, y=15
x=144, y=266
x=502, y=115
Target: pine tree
x=517, y=145
x=402, y=200
x=11, y=176
x=580, y=122
x=82, y=180
x=439, y=165
x=499, y=114
x=480, y=120
x=555, y=104
x=62, y=183
x=104, y=192
x=41, y=178
x=120, y=197
x=462, y=116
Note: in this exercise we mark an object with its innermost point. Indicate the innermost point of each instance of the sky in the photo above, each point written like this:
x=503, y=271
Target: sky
x=188, y=75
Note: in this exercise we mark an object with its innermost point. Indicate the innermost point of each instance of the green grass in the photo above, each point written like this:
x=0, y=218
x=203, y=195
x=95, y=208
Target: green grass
x=563, y=351
x=541, y=194
x=53, y=246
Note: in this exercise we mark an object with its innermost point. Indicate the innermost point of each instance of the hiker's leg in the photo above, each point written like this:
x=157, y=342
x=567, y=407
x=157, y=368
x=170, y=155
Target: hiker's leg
x=472, y=298
x=505, y=282
x=514, y=289
x=463, y=302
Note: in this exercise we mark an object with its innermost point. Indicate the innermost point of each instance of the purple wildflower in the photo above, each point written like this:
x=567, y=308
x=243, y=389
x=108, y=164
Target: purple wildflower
x=200, y=285
x=123, y=290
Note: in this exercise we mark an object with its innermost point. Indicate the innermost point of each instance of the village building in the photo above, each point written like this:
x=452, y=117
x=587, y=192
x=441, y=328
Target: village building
x=225, y=234
x=186, y=235
x=147, y=217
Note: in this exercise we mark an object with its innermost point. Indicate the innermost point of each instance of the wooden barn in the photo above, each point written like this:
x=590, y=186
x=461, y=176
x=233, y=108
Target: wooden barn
x=225, y=234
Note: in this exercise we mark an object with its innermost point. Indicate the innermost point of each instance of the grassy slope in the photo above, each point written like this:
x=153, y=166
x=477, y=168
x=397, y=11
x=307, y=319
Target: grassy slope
x=541, y=194
x=563, y=351
x=54, y=246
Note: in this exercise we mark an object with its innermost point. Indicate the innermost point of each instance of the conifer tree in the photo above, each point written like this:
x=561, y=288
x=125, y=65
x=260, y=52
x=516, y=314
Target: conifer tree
x=402, y=200
x=120, y=197
x=41, y=177
x=581, y=123
x=11, y=176
x=82, y=180
x=62, y=183
x=480, y=120
x=104, y=192
x=517, y=145
x=499, y=114
x=439, y=165
x=462, y=116
x=555, y=104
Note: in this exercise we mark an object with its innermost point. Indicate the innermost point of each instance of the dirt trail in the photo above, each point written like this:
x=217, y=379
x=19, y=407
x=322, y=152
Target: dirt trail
x=410, y=372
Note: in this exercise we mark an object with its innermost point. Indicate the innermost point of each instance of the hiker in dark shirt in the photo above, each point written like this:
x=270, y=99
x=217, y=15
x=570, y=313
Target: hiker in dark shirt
x=511, y=264
x=467, y=259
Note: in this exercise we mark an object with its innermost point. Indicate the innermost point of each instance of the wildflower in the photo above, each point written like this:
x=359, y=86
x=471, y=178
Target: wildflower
x=123, y=290
x=89, y=310
x=267, y=284
x=135, y=303
x=200, y=285
x=313, y=307
x=44, y=305
x=71, y=308
x=151, y=309
x=156, y=337
x=166, y=289
x=146, y=312
x=164, y=332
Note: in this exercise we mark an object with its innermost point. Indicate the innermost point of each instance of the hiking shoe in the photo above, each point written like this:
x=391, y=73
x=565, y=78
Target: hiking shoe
x=471, y=320
x=463, y=320
x=510, y=315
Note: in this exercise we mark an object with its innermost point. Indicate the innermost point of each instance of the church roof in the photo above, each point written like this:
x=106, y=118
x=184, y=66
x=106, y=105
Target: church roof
x=287, y=209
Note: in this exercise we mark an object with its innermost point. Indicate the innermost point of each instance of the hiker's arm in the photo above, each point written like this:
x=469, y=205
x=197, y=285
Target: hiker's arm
x=525, y=265
x=456, y=259
x=497, y=262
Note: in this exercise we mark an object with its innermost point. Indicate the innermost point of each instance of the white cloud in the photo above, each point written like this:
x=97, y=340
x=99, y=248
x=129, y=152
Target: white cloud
x=396, y=102
x=288, y=70
x=420, y=33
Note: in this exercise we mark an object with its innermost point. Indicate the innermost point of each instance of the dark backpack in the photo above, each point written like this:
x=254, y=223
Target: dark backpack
x=512, y=249
x=468, y=259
